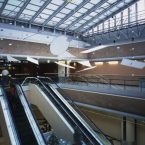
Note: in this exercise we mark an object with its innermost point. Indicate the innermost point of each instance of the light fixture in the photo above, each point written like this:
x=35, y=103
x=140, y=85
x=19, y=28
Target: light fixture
x=113, y=62
x=132, y=49
x=48, y=61
x=1, y=39
x=10, y=44
x=98, y=63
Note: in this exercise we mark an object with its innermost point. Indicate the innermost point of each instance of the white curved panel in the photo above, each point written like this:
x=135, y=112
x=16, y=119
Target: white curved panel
x=59, y=45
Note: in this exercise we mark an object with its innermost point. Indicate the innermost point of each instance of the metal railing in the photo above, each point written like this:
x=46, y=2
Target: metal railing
x=103, y=81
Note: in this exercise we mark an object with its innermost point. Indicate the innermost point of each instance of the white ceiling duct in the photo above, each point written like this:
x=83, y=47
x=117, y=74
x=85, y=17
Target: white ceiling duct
x=133, y=63
x=11, y=59
x=64, y=65
x=85, y=63
x=87, y=69
x=94, y=49
x=30, y=59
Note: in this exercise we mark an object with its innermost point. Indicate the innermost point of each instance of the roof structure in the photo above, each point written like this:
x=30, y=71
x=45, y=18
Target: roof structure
x=74, y=16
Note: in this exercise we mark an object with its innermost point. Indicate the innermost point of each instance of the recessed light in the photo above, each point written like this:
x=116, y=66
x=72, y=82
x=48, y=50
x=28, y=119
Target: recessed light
x=113, y=62
x=10, y=44
x=132, y=48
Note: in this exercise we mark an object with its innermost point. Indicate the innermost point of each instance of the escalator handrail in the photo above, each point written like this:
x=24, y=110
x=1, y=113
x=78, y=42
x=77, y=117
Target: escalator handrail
x=33, y=115
x=68, y=98
x=76, y=107
x=16, y=134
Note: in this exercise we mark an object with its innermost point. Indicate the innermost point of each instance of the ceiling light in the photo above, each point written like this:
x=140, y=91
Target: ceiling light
x=48, y=61
x=10, y=44
x=112, y=62
x=132, y=49
x=98, y=63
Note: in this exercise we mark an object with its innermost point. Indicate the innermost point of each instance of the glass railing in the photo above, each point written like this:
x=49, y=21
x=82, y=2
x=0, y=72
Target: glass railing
x=116, y=82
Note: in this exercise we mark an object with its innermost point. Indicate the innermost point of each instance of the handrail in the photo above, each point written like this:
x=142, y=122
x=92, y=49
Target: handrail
x=74, y=104
x=11, y=119
x=76, y=107
x=37, y=125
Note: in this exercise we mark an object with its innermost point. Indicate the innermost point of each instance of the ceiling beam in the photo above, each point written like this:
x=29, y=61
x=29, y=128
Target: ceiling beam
x=40, y=10
x=55, y=12
x=72, y=12
x=3, y=6
x=22, y=9
x=107, y=17
x=99, y=14
x=87, y=13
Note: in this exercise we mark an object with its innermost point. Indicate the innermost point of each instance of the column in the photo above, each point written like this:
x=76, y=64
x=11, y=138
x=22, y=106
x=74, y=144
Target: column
x=128, y=131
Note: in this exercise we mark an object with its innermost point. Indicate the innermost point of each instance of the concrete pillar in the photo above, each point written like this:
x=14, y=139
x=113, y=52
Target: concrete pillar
x=128, y=131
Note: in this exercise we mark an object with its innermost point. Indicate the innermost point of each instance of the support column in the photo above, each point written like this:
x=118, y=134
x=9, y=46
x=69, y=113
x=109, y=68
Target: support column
x=128, y=131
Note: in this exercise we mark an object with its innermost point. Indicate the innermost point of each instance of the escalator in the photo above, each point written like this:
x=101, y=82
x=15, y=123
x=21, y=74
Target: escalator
x=21, y=122
x=83, y=133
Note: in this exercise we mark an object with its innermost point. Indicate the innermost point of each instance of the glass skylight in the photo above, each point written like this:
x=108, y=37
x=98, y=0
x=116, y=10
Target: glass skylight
x=60, y=14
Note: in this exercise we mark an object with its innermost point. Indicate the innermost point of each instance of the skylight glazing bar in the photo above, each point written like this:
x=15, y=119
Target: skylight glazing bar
x=87, y=13
x=72, y=12
x=55, y=13
x=109, y=16
x=98, y=15
x=40, y=10
x=3, y=6
x=22, y=9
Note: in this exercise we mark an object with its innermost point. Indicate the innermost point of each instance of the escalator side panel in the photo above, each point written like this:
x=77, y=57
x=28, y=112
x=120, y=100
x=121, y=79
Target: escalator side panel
x=6, y=121
x=51, y=113
x=30, y=116
x=4, y=124
x=22, y=124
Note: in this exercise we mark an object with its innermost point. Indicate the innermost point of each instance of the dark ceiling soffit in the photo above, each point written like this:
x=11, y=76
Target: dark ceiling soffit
x=121, y=9
x=72, y=12
x=87, y=13
x=22, y=8
x=40, y=10
x=3, y=6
